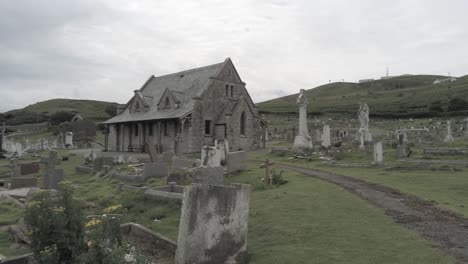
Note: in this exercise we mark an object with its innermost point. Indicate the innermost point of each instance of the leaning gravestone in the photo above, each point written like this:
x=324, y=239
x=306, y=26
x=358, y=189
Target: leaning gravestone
x=213, y=224
x=167, y=157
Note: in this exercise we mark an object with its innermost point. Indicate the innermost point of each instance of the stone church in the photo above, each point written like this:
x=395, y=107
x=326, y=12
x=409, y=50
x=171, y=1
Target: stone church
x=184, y=111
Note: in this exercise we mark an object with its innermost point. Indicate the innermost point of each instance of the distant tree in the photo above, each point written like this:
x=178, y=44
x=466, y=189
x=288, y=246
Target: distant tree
x=61, y=116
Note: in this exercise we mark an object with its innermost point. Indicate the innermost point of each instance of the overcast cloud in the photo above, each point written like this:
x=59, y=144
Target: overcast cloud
x=105, y=49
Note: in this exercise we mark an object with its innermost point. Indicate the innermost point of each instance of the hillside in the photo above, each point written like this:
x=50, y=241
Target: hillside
x=39, y=112
x=405, y=96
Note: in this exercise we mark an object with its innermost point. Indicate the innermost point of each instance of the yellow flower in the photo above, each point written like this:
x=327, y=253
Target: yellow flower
x=93, y=222
x=112, y=208
x=59, y=209
x=90, y=243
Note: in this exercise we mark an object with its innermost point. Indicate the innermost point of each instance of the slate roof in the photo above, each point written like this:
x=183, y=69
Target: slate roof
x=183, y=85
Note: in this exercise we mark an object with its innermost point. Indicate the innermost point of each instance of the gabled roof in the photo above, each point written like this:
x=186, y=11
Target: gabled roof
x=184, y=86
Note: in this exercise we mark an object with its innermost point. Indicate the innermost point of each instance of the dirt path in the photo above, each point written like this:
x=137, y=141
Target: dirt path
x=448, y=230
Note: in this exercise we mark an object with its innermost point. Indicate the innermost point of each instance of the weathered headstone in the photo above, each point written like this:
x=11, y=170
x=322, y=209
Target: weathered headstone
x=69, y=139
x=23, y=182
x=326, y=136
x=213, y=225
x=208, y=175
x=210, y=157
x=101, y=161
x=303, y=141
x=52, y=178
x=236, y=161
x=29, y=168
x=378, y=153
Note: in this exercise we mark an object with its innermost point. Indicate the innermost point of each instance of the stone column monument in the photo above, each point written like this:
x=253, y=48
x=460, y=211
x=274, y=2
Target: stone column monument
x=303, y=140
x=449, y=137
x=363, y=115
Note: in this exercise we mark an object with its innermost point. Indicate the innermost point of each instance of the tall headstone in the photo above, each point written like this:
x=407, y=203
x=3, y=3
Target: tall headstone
x=303, y=140
x=213, y=224
x=326, y=136
x=449, y=137
x=378, y=153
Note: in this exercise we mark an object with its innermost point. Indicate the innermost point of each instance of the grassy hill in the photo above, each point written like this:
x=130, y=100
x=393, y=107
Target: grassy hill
x=405, y=96
x=88, y=109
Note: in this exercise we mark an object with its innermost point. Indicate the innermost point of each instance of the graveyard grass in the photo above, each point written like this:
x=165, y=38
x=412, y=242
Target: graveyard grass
x=448, y=189
x=311, y=221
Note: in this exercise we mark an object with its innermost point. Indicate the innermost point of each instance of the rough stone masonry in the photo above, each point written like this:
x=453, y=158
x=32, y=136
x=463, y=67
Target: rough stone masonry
x=213, y=226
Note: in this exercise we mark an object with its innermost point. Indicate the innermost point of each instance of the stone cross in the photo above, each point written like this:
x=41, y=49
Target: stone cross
x=267, y=165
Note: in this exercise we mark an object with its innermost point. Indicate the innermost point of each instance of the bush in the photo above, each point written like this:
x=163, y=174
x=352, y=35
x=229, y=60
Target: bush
x=457, y=104
x=60, y=117
x=56, y=223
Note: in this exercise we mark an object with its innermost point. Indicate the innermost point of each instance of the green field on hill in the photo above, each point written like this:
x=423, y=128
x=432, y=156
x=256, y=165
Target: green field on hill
x=402, y=97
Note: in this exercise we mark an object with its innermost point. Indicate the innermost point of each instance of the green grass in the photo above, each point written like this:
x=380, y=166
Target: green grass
x=390, y=98
x=310, y=221
x=9, y=212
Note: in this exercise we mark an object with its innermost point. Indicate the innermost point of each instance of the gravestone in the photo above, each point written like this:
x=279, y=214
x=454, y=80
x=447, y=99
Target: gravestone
x=326, y=136
x=29, y=168
x=52, y=178
x=69, y=139
x=223, y=147
x=208, y=175
x=155, y=169
x=236, y=161
x=378, y=153
x=303, y=141
x=23, y=182
x=213, y=224
x=179, y=178
x=210, y=157
x=363, y=116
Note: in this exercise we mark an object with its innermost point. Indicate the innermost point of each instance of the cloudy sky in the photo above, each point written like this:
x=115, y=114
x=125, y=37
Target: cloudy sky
x=105, y=49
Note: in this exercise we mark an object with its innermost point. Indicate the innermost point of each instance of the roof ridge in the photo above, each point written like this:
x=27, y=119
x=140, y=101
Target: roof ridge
x=190, y=70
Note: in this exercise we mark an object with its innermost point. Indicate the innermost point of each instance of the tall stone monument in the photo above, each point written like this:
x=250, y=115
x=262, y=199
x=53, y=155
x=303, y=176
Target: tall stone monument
x=326, y=141
x=363, y=116
x=449, y=137
x=303, y=141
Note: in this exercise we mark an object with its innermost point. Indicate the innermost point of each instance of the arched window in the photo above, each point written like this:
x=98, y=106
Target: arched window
x=167, y=104
x=242, y=124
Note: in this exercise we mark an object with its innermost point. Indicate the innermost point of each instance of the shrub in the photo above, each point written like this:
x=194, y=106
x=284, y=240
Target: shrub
x=56, y=224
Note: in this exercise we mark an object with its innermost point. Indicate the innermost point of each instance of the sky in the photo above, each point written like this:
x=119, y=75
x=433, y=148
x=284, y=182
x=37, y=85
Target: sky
x=105, y=49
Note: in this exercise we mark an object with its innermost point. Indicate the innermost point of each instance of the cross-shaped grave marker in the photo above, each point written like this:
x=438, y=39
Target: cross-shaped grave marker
x=267, y=165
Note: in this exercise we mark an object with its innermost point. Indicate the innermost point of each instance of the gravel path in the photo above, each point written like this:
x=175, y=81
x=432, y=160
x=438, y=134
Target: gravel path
x=446, y=229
